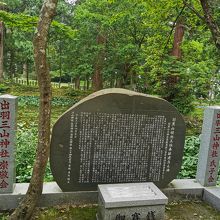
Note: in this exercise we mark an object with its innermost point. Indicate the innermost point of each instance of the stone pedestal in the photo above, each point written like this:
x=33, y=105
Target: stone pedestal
x=209, y=154
x=130, y=201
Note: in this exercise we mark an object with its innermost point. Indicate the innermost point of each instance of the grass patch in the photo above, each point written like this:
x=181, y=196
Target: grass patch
x=67, y=212
x=181, y=210
x=188, y=210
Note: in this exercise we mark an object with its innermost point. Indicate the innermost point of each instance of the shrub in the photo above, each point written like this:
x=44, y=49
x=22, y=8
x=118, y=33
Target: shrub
x=190, y=157
x=34, y=101
x=4, y=88
x=26, y=151
x=77, y=93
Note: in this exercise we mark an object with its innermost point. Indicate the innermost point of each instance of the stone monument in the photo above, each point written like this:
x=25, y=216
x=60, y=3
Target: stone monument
x=209, y=154
x=8, y=111
x=117, y=136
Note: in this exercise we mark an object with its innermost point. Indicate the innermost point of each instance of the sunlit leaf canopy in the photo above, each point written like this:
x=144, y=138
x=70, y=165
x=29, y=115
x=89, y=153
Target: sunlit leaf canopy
x=28, y=23
x=128, y=42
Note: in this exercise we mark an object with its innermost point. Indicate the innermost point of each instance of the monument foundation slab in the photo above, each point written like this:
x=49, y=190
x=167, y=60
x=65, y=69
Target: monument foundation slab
x=130, y=201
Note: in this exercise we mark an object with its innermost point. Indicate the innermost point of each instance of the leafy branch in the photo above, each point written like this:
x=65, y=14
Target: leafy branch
x=28, y=23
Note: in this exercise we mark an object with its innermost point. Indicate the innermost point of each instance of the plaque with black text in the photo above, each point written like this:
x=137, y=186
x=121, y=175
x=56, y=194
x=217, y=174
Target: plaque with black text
x=117, y=136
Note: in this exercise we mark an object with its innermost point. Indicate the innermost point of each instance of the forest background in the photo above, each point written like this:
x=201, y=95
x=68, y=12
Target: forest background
x=162, y=48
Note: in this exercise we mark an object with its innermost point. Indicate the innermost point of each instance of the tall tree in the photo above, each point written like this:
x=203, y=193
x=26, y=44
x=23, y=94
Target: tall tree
x=211, y=22
x=178, y=38
x=97, y=82
x=2, y=7
x=174, y=78
x=1, y=49
x=26, y=207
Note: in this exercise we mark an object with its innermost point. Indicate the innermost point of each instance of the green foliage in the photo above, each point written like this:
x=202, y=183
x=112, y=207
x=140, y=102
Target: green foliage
x=20, y=90
x=136, y=46
x=175, y=85
x=73, y=213
x=34, y=101
x=77, y=93
x=27, y=134
x=135, y=51
x=60, y=101
x=85, y=212
x=28, y=23
x=25, y=155
x=190, y=157
x=26, y=151
x=184, y=102
x=4, y=88
x=184, y=98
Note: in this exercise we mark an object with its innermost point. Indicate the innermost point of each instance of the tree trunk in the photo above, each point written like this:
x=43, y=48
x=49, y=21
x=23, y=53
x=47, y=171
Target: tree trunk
x=26, y=207
x=211, y=23
x=178, y=38
x=119, y=83
x=1, y=50
x=84, y=85
x=60, y=63
x=12, y=64
x=126, y=75
x=87, y=83
x=25, y=72
x=77, y=83
x=97, y=82
x=173, y=79
x=112, y=82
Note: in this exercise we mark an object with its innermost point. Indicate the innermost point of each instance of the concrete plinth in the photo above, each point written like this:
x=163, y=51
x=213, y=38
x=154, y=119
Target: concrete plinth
x=131, y=201
x=52, y=195
x=212, y=196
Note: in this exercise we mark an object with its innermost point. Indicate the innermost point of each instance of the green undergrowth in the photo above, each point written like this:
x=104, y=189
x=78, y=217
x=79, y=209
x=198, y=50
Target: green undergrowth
x=190, y=157
x=26, y=151
x=56, y=101
x=27, y=142
x=26, y=90
x=28, y=116
x=63, y=99
x=190, y=210
x=175, y=210
x=67, y=212
x=194, y=122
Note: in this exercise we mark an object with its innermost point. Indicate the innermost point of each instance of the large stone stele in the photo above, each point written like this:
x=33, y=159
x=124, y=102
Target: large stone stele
x=117, y=136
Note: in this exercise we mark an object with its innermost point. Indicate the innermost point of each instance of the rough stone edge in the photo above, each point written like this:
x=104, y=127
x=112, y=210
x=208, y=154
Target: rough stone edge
x=52, y=195
x=116, y=91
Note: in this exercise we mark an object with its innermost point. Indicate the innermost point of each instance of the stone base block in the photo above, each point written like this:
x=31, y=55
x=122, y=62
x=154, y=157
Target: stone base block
x=144, y=212
x=180, y=189
x=130, y=201
x=212, y=196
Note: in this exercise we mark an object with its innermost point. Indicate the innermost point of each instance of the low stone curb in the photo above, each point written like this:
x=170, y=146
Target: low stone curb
x=52, y=195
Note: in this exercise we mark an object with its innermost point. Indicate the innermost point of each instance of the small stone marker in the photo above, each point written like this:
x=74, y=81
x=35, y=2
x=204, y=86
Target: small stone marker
x=209, y=154
x=130, y=201
x=117, y=136
x=8, y=111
